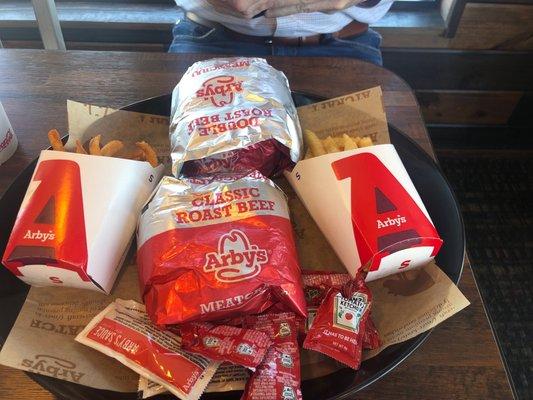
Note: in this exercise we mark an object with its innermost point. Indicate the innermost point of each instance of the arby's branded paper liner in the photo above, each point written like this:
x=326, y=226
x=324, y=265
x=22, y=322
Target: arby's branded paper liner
x=77, y=219
x=363, y=200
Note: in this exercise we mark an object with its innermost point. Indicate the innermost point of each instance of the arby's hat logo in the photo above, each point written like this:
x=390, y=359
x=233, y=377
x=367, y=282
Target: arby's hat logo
x=236, y=259
x=220, y=90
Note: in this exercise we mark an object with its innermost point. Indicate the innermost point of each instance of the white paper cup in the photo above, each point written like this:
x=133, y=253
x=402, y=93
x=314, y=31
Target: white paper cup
x=8, y=140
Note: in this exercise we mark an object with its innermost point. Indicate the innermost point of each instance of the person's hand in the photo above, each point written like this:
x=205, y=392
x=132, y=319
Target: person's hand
x=281, y=8
x=241, y=8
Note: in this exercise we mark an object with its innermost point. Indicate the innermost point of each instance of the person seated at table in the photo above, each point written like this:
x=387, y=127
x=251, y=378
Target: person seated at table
x=336, y=28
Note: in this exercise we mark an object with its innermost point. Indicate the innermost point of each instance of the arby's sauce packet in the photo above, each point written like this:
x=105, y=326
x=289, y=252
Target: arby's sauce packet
x=246, y=347
x=228, y=377
x=338, y=328
x=278, y=376
x=124, y=331
x=233, y=115
x=217, y=247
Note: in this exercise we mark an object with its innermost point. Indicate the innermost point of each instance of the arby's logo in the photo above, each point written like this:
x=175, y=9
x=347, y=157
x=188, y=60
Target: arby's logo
x=53, y=366
x=236, y=259
x=220, y=90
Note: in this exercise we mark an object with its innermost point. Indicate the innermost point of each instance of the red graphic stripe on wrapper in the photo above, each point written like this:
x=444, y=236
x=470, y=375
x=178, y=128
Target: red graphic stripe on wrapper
x=222, y=248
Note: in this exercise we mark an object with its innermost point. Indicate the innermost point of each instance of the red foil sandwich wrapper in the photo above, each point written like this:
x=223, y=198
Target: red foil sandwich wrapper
x=233, y=115
x=217, y=247
x=338, y=328
x=278, y=376
x=246, y=347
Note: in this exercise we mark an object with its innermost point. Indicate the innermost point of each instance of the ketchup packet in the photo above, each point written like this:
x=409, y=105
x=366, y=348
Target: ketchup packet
x=231, y=115
x=317, y=283
x=339, y=325
x=246, y=347
x=217, y=247
x=371, y=339
x=278, y=376
x=124, y=331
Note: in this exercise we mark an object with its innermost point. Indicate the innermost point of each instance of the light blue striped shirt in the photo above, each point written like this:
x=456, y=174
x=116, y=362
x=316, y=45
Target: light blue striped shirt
x=289, y=26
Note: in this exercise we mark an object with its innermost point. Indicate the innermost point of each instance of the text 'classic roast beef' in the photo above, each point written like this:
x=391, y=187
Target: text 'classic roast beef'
x=216, y=247
x=233, y=115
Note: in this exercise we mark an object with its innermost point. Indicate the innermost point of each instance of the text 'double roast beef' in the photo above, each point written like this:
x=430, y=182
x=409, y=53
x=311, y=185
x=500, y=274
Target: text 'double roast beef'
x=217, y=247
x=233, y=115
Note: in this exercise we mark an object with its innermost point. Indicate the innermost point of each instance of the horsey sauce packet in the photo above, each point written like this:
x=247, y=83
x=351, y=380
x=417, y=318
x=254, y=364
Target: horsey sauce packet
x=56, y=316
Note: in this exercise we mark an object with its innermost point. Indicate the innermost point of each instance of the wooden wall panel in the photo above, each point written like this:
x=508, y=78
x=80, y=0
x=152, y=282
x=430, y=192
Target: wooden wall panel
x=427, y=37
x=467, y=107
x=495, y=27
x=426, y=69
x=481, y=27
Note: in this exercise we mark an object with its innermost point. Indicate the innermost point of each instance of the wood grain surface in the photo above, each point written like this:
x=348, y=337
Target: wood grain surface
x=495, y=27
x=460, y=360
x=467, y=107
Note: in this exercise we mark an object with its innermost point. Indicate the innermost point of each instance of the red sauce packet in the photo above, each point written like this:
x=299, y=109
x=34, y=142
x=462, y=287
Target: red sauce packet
x=246, y=347
x=317, y=283
x=339, y=325
x=371, y=339
x=124, y=331
x=278, y=376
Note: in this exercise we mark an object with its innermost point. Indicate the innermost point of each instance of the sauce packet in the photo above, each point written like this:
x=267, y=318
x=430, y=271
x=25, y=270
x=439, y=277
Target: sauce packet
x=124, y=331
x=246, y=347
x=340, y=322
x=278, y=376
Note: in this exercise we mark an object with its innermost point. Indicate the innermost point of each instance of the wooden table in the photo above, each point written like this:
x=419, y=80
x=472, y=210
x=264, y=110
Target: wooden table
x=460, y=360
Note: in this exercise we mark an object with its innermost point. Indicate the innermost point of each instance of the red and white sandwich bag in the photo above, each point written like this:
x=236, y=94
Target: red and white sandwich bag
x=77, y=219
x=366, y=205
x=217, y=247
